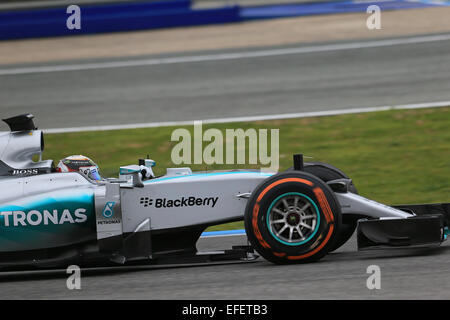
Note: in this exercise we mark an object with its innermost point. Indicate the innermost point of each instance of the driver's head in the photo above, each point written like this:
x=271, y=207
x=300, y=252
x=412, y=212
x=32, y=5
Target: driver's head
x=79, y=164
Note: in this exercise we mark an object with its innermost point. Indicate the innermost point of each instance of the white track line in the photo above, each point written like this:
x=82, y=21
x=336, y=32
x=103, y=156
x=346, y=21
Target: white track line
x=223, y=235
x=252, y=118
x=224, y=56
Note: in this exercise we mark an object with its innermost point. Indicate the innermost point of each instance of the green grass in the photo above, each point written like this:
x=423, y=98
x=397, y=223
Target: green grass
x=392, y=156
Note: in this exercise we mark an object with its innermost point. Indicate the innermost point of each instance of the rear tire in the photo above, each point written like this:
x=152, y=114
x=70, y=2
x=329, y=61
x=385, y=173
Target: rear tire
x=292, y=217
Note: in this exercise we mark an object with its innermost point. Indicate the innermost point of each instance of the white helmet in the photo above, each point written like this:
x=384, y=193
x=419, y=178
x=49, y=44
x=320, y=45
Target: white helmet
x=80, y=164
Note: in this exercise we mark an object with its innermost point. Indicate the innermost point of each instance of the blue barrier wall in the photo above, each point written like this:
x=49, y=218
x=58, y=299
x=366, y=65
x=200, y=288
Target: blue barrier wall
x=111, y=17
x=332, y=7
x=169, y=13
x=109, y=8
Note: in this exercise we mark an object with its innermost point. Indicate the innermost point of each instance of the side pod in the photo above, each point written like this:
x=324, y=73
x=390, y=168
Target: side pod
x=111, y=239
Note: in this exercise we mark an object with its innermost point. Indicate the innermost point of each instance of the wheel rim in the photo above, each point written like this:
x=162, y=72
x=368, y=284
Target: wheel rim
x=293, y=218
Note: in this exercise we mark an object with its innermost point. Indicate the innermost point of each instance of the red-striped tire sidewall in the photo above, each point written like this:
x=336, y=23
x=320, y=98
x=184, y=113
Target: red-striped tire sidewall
x=257, y=210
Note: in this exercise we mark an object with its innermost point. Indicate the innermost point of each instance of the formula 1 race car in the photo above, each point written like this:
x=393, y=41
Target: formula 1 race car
x=50, y=219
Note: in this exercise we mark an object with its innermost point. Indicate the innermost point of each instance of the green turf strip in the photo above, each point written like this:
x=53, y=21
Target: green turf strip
x=393, y=157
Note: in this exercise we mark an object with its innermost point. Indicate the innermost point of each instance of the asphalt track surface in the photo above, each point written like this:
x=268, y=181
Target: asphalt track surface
x=405, y=274
x=316, y=81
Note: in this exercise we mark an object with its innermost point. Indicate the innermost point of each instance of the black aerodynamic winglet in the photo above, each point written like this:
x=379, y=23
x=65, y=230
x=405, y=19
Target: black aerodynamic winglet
x=23, y=122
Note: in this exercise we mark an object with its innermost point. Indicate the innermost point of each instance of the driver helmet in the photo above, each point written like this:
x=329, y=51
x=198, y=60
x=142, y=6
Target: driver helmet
x=81, y=164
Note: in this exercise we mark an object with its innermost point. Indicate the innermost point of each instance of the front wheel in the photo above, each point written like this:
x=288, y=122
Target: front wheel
x=327, y=172
x=292, y=217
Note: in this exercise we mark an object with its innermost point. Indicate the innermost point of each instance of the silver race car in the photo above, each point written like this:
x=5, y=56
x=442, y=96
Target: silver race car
x=51, y=219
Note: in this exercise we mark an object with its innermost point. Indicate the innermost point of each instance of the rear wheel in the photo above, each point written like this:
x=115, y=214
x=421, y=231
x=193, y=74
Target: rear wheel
x=292, y=217
x=326, y=172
